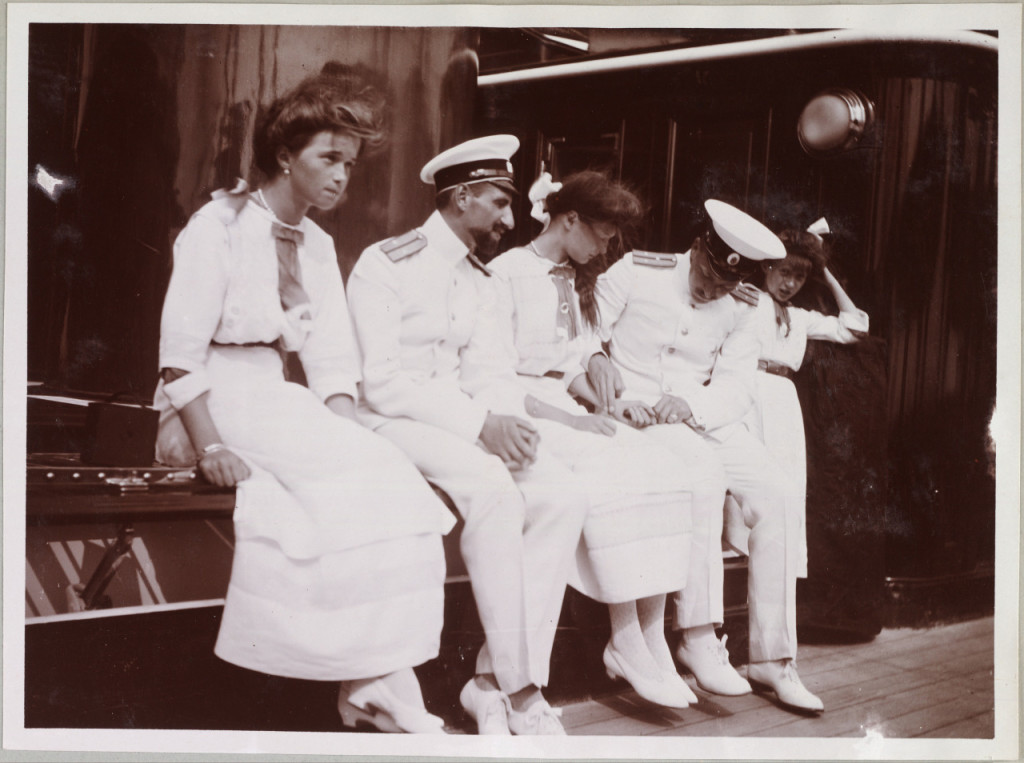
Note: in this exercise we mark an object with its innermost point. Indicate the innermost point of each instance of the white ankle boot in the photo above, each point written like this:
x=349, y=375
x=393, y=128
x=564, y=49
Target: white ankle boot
x=707, y=658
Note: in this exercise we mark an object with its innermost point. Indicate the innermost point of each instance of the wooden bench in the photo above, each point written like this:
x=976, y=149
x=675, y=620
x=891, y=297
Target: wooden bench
x=60, y=490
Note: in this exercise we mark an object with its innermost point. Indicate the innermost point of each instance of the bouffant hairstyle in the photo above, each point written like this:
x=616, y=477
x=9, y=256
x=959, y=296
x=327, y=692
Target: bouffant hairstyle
x=339, y=99
x=807, y=251
x=802, y=245
x=597, y=198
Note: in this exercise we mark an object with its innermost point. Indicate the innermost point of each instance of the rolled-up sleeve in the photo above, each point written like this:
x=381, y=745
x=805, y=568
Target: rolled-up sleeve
x=837, y=328
x=193, y=306
x=389, y=388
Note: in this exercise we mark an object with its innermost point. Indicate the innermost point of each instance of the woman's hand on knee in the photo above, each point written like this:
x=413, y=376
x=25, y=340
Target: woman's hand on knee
x=597, y=424
x=635, y=413
x=223, y=468
x=672, y=410
x=510, y=438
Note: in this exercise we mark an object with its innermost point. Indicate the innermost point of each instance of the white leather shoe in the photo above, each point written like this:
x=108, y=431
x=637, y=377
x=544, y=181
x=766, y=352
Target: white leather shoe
x=488, y=707
x=658, y=690
x=780, y=676
x=539, y=719
x=708, y=660
x=375, y=704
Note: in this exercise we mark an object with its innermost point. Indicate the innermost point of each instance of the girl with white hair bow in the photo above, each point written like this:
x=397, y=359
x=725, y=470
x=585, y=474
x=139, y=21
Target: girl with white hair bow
x=636, y=539
x=783, y=330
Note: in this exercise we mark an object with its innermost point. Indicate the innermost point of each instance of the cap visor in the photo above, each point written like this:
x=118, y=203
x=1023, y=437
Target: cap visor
x=505, y=184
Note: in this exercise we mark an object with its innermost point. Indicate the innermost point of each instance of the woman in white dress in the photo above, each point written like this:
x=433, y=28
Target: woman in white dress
x=636, y=538
x=339, y=569
x=784, y=330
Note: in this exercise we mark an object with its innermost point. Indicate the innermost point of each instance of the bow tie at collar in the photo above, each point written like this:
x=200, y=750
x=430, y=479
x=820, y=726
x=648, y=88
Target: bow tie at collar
x=284, y=233
x=564, y=270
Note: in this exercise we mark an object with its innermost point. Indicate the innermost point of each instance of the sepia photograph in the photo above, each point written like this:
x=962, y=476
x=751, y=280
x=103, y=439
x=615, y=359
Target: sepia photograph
x=563, y=382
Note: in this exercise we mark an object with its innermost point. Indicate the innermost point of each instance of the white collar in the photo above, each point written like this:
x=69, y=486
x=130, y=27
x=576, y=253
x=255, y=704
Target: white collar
x=442, y=239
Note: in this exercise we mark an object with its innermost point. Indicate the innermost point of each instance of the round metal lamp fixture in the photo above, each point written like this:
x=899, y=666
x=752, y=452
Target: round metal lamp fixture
x=833, y=121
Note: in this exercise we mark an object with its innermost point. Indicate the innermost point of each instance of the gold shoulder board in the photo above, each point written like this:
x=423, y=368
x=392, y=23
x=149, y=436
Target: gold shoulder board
x=400, y=247
x=654, y=259
x=746, y=292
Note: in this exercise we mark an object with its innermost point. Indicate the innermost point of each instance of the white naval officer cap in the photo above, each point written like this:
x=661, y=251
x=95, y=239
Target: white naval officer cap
x=735, y=242
x=480, y=160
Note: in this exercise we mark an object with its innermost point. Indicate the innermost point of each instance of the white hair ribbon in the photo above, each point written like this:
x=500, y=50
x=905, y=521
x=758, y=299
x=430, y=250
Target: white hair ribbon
x=538, y=194
x=819, y=228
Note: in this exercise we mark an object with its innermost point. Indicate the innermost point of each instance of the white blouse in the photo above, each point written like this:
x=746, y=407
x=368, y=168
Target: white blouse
x=789, y=350
x=529, y=303
x=224, y=289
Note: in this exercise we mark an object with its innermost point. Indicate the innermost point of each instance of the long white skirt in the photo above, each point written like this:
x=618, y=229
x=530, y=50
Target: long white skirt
x=777, y=420
x=339, y=568
x=636, y=538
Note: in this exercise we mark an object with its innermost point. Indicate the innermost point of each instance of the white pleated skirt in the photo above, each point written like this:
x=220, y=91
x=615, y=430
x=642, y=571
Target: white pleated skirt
x=339, y=568
x=637, y=535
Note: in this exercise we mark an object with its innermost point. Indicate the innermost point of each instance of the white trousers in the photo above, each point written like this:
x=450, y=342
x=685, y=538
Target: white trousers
x=741, y=464
x=519, y=543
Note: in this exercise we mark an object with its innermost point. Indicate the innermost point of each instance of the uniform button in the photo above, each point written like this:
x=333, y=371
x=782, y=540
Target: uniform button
x=684, y=332
x=453, y=316
x=668, y=388
x=564, y=307
x=671, y=350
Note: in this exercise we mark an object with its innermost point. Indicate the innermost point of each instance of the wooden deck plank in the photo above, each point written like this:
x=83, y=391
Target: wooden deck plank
x=928, y=720
x=936, y=682
x=851, y=708
x=861, y=683
x=849, y=699
x=953, y=657
x=982, y=726
x=925, y=648
x=885, y=715
x=752, y=713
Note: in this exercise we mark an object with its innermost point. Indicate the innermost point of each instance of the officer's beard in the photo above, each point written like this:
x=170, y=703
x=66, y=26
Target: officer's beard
x=487, y=241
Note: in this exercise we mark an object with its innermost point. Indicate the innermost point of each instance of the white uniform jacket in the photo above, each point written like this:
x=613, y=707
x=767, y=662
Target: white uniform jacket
x=788, y=349
x=424, y=358
x=666, y=343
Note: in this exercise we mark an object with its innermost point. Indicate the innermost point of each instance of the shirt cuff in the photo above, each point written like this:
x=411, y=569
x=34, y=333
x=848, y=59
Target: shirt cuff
x=187, y=388
x=857, y=321
x=505, y=400
x=324, y=382
x=470, y=427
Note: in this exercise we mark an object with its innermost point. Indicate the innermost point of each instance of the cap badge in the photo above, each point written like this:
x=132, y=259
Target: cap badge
x=733, y=259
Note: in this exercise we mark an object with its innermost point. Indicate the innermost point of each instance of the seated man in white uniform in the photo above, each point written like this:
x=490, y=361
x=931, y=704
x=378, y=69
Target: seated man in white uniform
x=684, y=340
x=421, y=305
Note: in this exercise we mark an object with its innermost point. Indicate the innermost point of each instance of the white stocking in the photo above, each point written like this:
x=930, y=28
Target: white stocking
x=628, y=639
x=651, y=613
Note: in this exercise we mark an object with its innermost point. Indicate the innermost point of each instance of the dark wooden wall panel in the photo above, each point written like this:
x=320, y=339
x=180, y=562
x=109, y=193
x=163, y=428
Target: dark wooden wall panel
x=147, y=120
